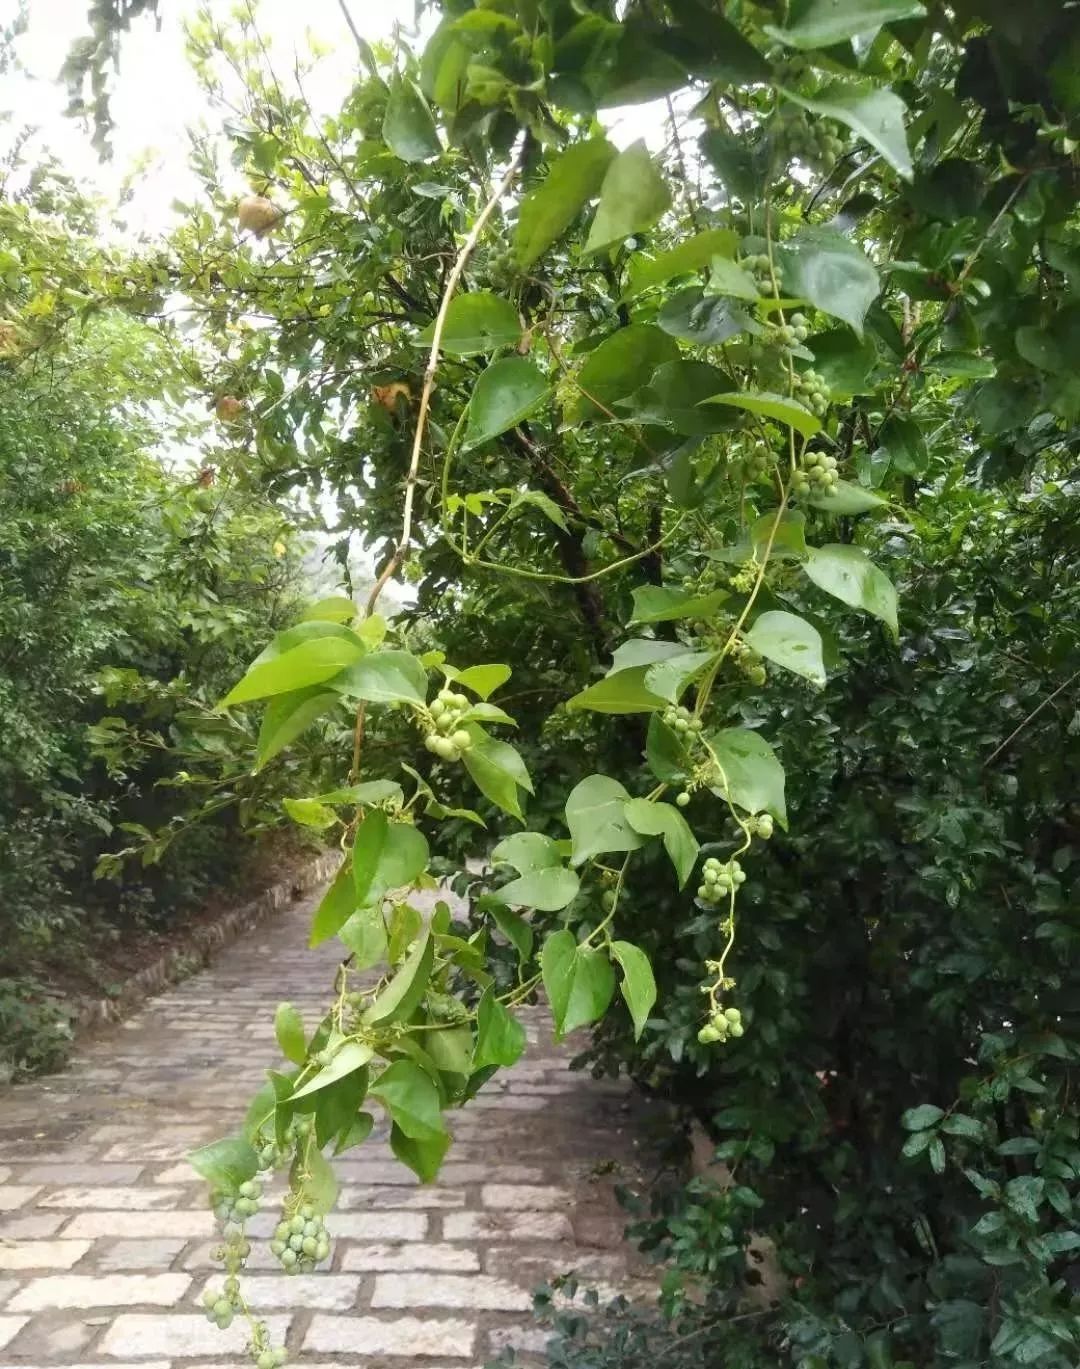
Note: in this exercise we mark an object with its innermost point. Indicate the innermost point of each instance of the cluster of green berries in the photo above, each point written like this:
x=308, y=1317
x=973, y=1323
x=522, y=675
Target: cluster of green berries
x=270, y=1359
x=761, y=826
x=816, y=472
x=758, y=463
x=749, y=662
x=760, y=268
x=719, y=879
x=789, y=334
x=812, y=390
x=502, y=265
x=817, y=142
x=221, y=1307
x=301, y=1241
x=449, y=739
x=444, y=1007
x=720, y=1026
x=233, y=1209
x=681, y=720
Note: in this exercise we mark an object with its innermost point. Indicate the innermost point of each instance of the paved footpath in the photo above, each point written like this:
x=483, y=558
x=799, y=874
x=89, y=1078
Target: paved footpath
x=105, y=1236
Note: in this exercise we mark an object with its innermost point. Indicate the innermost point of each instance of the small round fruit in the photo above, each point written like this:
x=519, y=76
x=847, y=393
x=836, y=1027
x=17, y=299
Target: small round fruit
x=445, y=748
x=265, y=1360
x=209, y=1298
x=733, y=1014
x=736, y=1029
x=708, y=1035
x=461, y=739
x=289, y=1258
x=608, y=900
x=682, y=799
x=296, y=1242
x=296, y=1224
x=310, y=1245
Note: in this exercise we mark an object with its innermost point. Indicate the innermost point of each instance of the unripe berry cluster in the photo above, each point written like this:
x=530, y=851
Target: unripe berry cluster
x=757, y=463
x=816, y=143
x=681, y=720
x=301, y=1241
x=271, y=1359
x=221, y=1307
x=761, y=270
x=233, y=1209
x=449, y=740
x=719, y=879
x=720, y=1026
x=502, y=264
x=817, y=473
x=760, y=826
x=812, y=390
x=749, y=662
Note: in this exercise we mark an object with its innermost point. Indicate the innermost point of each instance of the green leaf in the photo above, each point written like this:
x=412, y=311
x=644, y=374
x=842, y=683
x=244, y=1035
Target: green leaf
x=595, y=817
x=849, y=575
x=753, y=779
x=958, y=1124
x=477, y=322
x=409, y=1095
x=623, y=692
x=336, y=906
x=821, y=23
x=843, y=361
x=336, y=609
x=937, y=1155
x=516, y=930
x=364, y=937
x=692, y=255
x=288, y=716
x=824, y=267
x=353, y=1055
x=902, y=440
x=500, y=1037
x=674, y=398
x=846, y=499
x=365, y=795
x=654, y=819
x=356, y=1133
x=623, y=363
x=778, y=407
x=337, y=1107
x=226, y=1164
x=962, y=365
x=873, y=114
x=289, y=1030
x=665, y=753
x=386, y=855
x=788, y=539
x=925, y=1115
x=638, y=983
x=579, y=982
x=399, y=999
x=320, y=1187
x=633, y=196
x=497, y=770
x=705, y=320
x=483, y=680
x=545, y=883
x=548, y=210
x=664, y=603
x=311, y=662
x=310, y=813
x=788, y=641
x=1025, y=1196
x=408, y=126
x=424, y=1157
x=508, y=391
x=670, y=678
x=385, y=677
x=725, y=278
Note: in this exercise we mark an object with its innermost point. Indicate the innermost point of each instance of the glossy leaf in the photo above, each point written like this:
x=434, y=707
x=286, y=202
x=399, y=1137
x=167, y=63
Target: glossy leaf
x=500, y=1037
x=402, y=995
x=226, y=1164
x=310, y=813
x=408, y=127
x=673, y=397
x=287, y=717
x=821, y=23
x=694, y=254
x=516, y=930
x=497, y=770
x=705, y=320
x=336, y=906
x=751, y=776
x=623, y=692
x=412, y=1100
x=725, y=278
x=655, y=819
x=548, y=210
x=289, y=1030
x=788, y=641
x=384, y=677
x=873, y=114
x=845, y=498
x=353, y=1055
x=483, y=680
x=779, y=408
x=670, y=679
x=633, y=196
x=477, y=322
x=544, y=883
x=824, y=267
x=579, y=982
x=311, y=662
x=386, y=855
x=622, y=363
x=597, y=822
x=423, y=1157
x=507, y=392
x=638, y=985
x=364, y=936
x=664, y=603
x=849, y=575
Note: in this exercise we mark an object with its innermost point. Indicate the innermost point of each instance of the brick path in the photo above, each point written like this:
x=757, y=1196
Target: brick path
x=105, y=1238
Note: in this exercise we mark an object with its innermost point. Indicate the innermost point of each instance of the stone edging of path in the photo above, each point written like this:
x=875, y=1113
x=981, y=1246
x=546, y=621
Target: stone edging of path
x=202, y=943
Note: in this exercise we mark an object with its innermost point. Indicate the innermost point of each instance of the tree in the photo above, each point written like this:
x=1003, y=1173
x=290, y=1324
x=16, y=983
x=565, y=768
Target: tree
x=663, y=429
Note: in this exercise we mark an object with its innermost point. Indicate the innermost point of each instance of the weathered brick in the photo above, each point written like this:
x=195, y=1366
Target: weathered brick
x=379, y=1226
x=188, y=1224
x=13, y=1196
x=352, y=1199
x=134, y=1335
x=526, y=1198
x=106, y=1175
x=33, y=1226
x=527, y=1340
x=113, y=1199
x=507, y=1226
x=48, y=1338
x=463, y=1291
x=151, y=1255
x=10, y=1328
x=403, y=1337
x=412, y=1255
x=100, y=1290
x=269, y=1292
x=41, y=1254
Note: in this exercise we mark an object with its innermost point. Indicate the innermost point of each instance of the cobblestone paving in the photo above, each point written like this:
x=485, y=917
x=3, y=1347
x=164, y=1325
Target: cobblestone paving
x=105, y=1237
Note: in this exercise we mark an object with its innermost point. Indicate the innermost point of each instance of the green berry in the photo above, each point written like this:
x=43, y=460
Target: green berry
x=265, y=1360
x=682, y=799
x=461, y=739
x=221, y=1306
x=708, y=1035
x=296, y=1224
x=280, y=1355
x=289, y=1258
x=733, y=1014
x=310, y=1245
x=736, y=1029
x=209, y=1298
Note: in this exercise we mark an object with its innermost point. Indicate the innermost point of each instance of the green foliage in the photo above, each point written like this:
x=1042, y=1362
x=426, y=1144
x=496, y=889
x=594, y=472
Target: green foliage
x=640, y=485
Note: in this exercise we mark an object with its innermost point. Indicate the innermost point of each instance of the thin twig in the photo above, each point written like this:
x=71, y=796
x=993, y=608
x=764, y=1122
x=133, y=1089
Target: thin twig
x=456, y=272
x=1030, y=718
